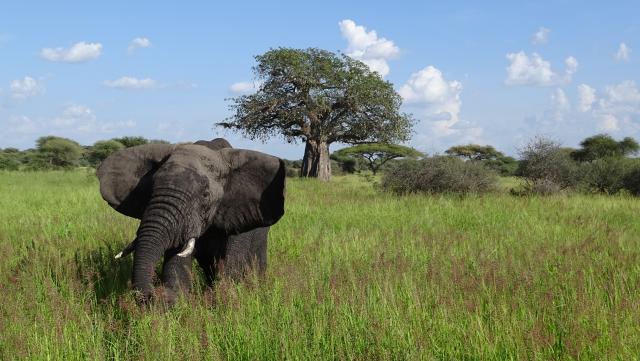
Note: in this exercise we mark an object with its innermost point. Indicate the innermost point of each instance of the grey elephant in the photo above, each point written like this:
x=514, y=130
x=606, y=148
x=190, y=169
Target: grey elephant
x=204, y=200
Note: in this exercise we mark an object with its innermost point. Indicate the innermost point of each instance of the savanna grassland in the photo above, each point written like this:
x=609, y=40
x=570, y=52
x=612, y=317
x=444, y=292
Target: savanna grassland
x=353, y=274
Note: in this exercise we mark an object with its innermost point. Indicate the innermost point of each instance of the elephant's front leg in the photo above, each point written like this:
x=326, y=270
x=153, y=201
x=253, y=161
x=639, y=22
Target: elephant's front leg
x=176, y=275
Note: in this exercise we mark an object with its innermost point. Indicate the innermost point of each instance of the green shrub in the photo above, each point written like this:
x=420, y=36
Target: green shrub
x=504, y=165
x=9, y=161
x=631, y=181
x=346, y=164
x=56, y=153
x=292, y=167
x=101, y=150
x=607, y=175
x=439, y=175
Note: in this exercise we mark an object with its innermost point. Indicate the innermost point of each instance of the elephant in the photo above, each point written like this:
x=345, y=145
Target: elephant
x=205, y=200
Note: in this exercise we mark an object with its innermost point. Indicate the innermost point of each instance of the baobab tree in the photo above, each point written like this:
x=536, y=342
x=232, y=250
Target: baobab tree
x=318, y=97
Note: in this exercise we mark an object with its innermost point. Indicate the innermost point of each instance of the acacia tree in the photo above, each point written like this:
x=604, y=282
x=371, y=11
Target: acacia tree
x=375, y=155
x=57, y=152
x=320, y=98
x=474, y=152
x=101, y=150
x=603, y=146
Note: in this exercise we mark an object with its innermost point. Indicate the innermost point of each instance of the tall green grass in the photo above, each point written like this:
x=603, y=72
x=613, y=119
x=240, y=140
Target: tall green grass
x=353, y=274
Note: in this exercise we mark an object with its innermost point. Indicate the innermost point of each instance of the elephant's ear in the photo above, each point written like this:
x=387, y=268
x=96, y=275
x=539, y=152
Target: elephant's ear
x=125, y=177
x=253, y=193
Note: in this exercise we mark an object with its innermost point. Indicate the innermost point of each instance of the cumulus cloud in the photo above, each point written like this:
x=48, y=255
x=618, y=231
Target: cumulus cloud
x=572, y=67
x=367, y=47
x=608, y=123
x=127, y=82
x=534, y=70
x=21, y=124
x=586, y=97
x=243, y=87
x=623, y=53
x=77, y=53
x=80, y=119
x=614, y=109
x=437, y=103
x=560, y=104
x=618, y=108
x=75, y=121
x=623, y=96
x=25, y=88
x=75, y=115
x=541, y=36
x=139, y=43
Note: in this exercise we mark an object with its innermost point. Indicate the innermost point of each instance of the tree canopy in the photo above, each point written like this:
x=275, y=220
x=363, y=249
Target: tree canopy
x=375, y=155
x=603, y=146
x=474, y=152
x=101, y=150
x=57, y=152
x=318, y=97
x=131, y=141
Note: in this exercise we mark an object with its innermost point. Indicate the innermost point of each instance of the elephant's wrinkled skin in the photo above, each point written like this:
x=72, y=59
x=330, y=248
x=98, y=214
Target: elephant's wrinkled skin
x=224, y=199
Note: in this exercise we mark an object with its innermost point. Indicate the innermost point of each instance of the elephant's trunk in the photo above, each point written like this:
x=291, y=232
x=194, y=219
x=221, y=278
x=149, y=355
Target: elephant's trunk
x=161, y=228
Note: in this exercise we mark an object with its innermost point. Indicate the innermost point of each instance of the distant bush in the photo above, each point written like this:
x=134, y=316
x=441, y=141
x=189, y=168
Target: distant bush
x=54, y=153
x=342, y=164
x=603, y=146
x=505, y=166
x=546, y=167
x=101, y=150
x=292, y=167
x=439, y=175
x=9, y=161
x=607, y=175
x=631, y=181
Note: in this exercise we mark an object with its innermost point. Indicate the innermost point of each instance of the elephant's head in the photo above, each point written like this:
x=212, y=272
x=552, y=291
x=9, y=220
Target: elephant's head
x=179, y=191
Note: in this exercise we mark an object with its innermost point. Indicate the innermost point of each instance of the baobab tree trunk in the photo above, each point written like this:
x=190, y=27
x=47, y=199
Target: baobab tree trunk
x=316, y=161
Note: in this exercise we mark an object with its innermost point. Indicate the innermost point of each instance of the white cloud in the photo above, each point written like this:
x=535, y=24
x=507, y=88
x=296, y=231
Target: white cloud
x=76, y=121
x=139, y=43
x=541, y=36
x=560, y=100
x=437, y=104
x=80, y=119
x=572, y=67
x=620, y=98
x=79, y=52
x=367, y=47
x=623, y=53
x=534, y=70
x=586, y=97
x=22, y=125
x=608, y=123
x=560, y=104
x=25, y=88
x=618, y=108
x=428, y=87
x=243, y=87
x=78, y=116
x=127, y=82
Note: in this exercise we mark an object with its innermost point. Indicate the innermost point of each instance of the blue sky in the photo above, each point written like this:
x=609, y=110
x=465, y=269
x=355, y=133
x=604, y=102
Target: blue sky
x=497, y=73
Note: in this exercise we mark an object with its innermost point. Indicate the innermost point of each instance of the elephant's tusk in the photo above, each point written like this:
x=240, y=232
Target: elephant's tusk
x=188, y=250
x=128, y=249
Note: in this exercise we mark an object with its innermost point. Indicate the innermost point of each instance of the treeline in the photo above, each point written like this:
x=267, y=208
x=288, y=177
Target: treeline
x=53, y=152
x=600, y=165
